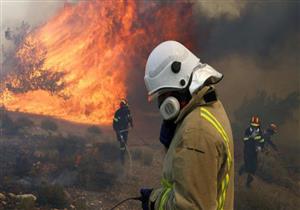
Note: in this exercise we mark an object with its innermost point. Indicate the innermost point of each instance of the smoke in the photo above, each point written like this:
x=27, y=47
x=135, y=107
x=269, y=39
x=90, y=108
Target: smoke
x=13, y=13
x=33, y=12
x=256, y=46
x=258, y=52
x=229, y=9
x=255, y=32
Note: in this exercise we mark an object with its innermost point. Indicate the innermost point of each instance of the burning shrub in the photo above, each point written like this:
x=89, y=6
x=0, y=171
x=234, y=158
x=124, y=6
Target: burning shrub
x=94, y=130
x=51, y=59
x=30, y=73
x=49, y=125
x=52, y=195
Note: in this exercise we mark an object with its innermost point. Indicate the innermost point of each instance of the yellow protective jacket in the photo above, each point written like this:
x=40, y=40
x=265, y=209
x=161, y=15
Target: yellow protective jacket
x=198, y=171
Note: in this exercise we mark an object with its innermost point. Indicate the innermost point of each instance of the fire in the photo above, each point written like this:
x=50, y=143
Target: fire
x=94, y=46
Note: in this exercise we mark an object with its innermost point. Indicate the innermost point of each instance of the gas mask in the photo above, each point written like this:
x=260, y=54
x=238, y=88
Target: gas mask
x=170, y=103
x=170, y=108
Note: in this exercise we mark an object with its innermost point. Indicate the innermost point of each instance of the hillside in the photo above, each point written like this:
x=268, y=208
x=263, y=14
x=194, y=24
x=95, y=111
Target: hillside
x=76, y=166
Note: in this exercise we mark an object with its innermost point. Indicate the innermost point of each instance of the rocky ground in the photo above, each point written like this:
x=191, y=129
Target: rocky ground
x=45, y=165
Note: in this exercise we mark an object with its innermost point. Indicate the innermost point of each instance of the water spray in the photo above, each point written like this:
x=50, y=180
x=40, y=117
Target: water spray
x=129, y=156
x=127, y=150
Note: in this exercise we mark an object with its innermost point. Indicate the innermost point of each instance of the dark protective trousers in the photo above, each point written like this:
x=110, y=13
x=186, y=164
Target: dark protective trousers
x=250, y=164
x=250, y=159
x=122, y=138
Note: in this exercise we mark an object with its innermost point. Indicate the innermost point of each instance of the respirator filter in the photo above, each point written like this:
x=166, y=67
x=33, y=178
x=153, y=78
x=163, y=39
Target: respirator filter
x=170, y=108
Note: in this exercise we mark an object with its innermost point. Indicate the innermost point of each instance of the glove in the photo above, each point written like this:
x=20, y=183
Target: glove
x=145, y=195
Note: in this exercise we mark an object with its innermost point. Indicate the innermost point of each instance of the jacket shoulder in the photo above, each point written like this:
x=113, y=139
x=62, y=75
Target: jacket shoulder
x=197, y=125
x=118, y=112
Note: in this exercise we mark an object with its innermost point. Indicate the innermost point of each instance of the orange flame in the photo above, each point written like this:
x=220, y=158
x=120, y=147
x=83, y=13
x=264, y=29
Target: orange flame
x=94, y=44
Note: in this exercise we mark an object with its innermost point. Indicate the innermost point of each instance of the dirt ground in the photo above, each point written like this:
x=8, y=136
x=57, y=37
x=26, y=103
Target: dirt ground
x=99, y=180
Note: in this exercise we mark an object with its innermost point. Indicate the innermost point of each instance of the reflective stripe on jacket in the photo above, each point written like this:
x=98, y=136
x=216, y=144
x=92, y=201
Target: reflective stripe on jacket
x=254, y=134
x=198, y=166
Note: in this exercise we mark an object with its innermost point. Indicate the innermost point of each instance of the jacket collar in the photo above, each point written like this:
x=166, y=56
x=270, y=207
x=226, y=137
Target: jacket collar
x=197, y=100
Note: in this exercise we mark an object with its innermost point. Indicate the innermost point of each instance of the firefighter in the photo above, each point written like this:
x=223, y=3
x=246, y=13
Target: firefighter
x=122, y=120
x=198, y=167
x=253, y=143
x=268, y=133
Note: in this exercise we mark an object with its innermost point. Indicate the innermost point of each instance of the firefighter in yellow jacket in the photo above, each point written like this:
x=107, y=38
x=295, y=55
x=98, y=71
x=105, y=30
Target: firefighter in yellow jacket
x=198, y=171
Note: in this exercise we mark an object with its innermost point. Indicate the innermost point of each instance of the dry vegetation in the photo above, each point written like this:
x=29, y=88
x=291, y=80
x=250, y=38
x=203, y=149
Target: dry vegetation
x=65, y=170
x=82, y=171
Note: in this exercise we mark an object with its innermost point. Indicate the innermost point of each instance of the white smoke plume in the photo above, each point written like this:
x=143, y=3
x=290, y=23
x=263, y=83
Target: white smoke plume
x=230, y=9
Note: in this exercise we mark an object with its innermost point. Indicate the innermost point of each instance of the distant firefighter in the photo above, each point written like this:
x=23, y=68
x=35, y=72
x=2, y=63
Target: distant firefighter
x=253, y=142
x=122, y=120
x=268, y=133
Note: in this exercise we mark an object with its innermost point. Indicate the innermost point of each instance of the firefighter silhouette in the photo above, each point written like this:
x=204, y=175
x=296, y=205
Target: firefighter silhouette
x=122, y=120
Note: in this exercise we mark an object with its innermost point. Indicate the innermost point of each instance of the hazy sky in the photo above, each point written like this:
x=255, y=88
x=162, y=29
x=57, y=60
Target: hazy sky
x=33, y=11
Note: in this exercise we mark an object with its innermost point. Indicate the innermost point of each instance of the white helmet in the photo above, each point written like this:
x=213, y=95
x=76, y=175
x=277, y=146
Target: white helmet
x=170, y=66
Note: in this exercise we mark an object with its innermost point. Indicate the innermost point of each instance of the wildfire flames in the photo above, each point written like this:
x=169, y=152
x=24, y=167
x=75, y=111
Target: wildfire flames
x=88, y=50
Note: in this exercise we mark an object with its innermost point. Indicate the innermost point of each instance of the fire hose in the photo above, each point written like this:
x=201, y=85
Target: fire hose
x=127, y=149
x=125, y=200
x=138, y=136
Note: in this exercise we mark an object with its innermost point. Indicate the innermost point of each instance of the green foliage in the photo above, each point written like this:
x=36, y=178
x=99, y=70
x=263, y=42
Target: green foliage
x=52, y=195
x=49, y=125
x=26, y=203
x=31, y=74
x=94, y=130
